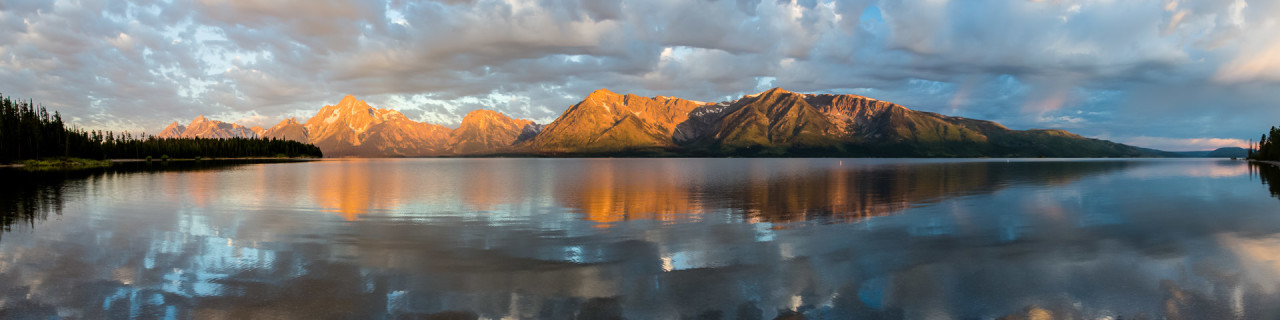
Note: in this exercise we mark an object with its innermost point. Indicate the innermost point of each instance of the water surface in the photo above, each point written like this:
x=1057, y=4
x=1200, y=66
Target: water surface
x=646, y=239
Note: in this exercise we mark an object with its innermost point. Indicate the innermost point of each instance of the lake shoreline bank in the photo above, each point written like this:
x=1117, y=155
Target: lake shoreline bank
x=115, y=161
x=1274, y=163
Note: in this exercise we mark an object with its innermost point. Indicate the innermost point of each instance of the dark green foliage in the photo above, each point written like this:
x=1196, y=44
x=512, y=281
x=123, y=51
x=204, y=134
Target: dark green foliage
x=28, y=131
x=64, y=163
x=182, y=148
x=1267, y=149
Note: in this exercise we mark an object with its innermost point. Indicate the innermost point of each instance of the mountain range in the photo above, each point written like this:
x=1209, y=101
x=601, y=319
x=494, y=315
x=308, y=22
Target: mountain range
x=776, y=122
x=1225, y=152
x=205, y=128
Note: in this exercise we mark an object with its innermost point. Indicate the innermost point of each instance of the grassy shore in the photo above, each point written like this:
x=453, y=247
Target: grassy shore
x=218, y=159
x=67, y=164
x=64, y=164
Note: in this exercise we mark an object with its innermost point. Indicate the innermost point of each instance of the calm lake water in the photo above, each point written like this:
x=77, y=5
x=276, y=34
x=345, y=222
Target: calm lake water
x=645, y=239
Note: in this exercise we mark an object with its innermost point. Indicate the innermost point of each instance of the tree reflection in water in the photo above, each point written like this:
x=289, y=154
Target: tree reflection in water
x=27, y=197
x=1269, y=174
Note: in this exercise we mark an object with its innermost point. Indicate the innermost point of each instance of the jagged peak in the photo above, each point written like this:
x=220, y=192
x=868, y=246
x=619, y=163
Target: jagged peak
x=351, y=102
x=199, y=119
x=662, y=98
x=775, y=91
x=482, y=113
x=290, y=120
x=174, y=128
x=767, y=93
x=387, y=114
x=602, y=92
x=846, y=95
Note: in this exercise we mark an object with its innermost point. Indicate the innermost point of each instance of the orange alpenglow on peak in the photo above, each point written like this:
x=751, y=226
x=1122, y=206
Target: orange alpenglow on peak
x=770, y=123
x=289, y=129
x=602, y=92
x=202, y=127
x=487, y=131
x=174, y=130
x=352, y=128
x=777, y=90
x=608, y=122
x=349, y=100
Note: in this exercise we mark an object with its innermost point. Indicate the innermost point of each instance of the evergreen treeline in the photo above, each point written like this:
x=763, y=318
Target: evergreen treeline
x=1267, y=148
x=28, y=131
x=129, y=148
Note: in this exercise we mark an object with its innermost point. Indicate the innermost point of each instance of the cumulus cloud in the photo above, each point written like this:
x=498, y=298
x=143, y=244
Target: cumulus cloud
x=1175, y=69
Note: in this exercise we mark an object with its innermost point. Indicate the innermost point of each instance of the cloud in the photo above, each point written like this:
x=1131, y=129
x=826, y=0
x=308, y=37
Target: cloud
x=1178, y=69
x=1261, y=65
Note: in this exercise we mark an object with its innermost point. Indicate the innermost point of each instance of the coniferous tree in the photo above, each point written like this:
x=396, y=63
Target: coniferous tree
x=28, y=131
x=1266, y=148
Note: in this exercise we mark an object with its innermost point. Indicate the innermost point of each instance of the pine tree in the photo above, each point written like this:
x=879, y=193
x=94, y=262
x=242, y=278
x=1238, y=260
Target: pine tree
x=29, y=131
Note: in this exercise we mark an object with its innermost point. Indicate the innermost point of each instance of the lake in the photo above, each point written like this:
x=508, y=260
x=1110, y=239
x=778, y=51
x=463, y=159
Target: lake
x=645, y=239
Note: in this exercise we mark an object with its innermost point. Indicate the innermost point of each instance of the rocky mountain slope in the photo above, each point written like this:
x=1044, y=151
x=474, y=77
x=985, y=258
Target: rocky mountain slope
x=289, y=129
x=776, y=122
x=486, y=131
x=201, y=127
x=605, y=121
x=353, y=128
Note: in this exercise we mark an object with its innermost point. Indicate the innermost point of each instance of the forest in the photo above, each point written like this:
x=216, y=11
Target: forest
x=28, y=131
x=1267, y=149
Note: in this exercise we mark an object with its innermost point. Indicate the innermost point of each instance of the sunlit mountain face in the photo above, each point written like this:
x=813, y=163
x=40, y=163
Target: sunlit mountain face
x=768, y=124
x=648, y=238
x=202, y=127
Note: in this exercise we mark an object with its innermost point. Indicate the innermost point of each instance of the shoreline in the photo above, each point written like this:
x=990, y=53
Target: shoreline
x=114, y=161
x=212, y=159
x=1274, y=163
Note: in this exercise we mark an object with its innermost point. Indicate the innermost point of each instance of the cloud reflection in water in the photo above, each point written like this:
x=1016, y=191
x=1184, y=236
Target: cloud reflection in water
x=656, y=238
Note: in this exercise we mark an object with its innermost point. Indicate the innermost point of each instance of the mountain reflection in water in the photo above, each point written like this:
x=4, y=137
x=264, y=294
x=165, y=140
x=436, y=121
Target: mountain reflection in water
x=648, y=239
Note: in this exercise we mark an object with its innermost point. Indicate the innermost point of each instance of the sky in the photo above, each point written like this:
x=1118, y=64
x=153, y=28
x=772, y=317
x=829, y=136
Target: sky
x=1166, y=74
